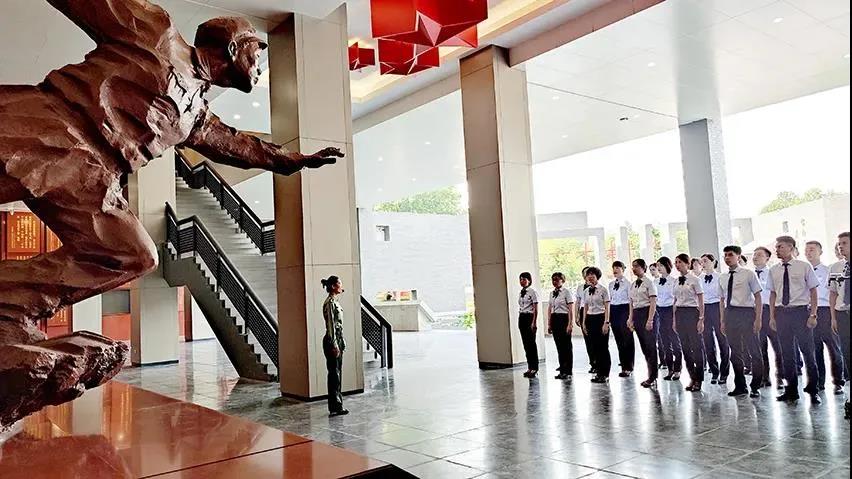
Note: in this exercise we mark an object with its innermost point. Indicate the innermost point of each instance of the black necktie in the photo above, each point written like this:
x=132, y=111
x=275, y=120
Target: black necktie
x=682, y=280
x=638, y=283
x=615, y=286
x=731, y=288
x=785, y=293
x=759, y=273
x=524, y=292
x=663, y=281
x=708, y=278
x=847, y=285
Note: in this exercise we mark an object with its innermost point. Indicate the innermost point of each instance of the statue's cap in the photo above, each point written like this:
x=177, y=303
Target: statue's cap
x=219, y=32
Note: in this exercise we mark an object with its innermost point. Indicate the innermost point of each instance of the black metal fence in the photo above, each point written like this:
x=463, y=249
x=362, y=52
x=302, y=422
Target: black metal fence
x=377, y=332
x=190, y=236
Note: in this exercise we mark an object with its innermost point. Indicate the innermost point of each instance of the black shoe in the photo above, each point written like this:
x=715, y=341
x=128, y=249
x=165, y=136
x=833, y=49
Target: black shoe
x=600, y=380
x=723, y=380
x=668, y=378
x=676, y=377
x=812, y=390
x=715, y=379
x=788, y=397
x=737, y=393
x=838, y=390
x=696, y=388
x=650, y=383
x=342, y=412
x=755, y=393
x=815, y=399
x=625, y=374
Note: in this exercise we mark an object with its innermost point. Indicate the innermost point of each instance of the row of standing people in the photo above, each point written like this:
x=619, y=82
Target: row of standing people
x=680, y=317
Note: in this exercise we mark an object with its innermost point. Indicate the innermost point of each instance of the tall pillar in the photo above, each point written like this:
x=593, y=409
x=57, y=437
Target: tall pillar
x=502, y=215
x=153, y=303
x=315, y=214
x=708, y=213
x=88, y=315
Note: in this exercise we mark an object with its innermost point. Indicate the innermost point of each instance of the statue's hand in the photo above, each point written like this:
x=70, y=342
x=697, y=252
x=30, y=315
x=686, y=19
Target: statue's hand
x=326, y=156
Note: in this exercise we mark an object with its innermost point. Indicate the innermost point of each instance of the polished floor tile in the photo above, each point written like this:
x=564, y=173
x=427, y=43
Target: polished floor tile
x=475, y=423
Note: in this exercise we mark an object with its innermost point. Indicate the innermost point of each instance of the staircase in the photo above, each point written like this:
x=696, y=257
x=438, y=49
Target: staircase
x=225, y=254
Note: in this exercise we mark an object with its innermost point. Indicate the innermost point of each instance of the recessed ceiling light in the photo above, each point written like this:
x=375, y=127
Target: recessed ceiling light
x=652, y=64
x=413, y=180
x=846, y=56
x=256, y=104
x=380, y=190
x=237, y=117
x=778, y=20
x=637, y=115
x=556, y=97
x=381, y=159
x=564, y=136
x=427, y=143
x=257, y=202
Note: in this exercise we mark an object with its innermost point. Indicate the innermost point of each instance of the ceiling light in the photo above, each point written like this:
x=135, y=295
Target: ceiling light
x=564, y=137
x=381, y=159
x=257, y=202
x=238, y=117
x=846, y=56
x=556, y=98
x=380, y=190
x=652, y=64
x=413, y=180
x=636, y=115
x=256, y=104
x=428, y=143
x=778, y=20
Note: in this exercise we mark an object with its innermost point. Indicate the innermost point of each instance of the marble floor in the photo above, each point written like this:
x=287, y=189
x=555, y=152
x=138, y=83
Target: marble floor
x=438, y=416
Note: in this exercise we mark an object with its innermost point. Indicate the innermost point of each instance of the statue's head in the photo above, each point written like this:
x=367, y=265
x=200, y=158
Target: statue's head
x=233, y=42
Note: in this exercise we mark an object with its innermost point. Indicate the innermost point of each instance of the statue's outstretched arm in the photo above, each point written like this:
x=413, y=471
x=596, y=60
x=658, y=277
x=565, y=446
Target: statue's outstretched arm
x=223, y=144
x=116, y=20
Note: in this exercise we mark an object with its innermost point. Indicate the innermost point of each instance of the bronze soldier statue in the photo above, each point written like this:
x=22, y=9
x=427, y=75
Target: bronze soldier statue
x=64, y=146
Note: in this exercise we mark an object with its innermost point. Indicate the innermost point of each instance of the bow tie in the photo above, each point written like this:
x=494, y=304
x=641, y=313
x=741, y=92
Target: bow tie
x=663, y=281
x=638, y=283
x=592, y=290
x=523, y=292
x=615, y=286
x=556, y=292
x=708, y=278
x=682, y=280
x=585, y=287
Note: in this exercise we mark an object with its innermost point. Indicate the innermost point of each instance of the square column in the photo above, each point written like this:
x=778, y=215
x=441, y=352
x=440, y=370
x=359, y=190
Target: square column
x=705, y=180
x=153, y=303
x=502, y=214
x=315, y=214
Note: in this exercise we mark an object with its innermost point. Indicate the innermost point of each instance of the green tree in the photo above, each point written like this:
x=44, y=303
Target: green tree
x=446, y=201
x=565, y=255
x=682, y=241
x=658, y=243
x=786, y=199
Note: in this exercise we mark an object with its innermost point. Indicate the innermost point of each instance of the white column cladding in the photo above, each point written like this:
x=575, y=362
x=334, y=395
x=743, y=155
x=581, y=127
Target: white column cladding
x=315, y=212
x=502, y=213
x=706, y=184
x=88, y=315
x=153, y=303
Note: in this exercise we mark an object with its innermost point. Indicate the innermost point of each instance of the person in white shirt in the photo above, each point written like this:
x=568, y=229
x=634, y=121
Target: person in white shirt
x=742, y=319
x=713, y=323
x=596, y=323
x=823, y=335
x=580, y=312
x=697, y=267
x=654, y=271
x=761, y=258
x=672, y=348
x=619, y=294
x=528, y=323
x=689, y=320
x=839, y=299
x=643, y=318
x=560, y=309
x=793, y=314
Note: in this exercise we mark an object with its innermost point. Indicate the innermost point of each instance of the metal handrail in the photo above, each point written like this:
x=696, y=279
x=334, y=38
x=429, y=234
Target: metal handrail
x=270, y=347
x=386, y=348
x=265, y=243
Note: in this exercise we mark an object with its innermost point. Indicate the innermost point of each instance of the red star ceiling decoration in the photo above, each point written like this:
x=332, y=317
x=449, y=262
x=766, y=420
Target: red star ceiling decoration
x=398, y=58
x=430, y=23
x=361, y=57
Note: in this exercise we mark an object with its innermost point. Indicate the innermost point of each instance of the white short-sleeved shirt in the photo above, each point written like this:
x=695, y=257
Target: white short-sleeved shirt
x=802, y=281
x=665, y=291
x=596, y=303
x=838, y=284
x=710, y=284
x=527, y=302
x=763, y=277
x=619, y=292
x=688, y=291
x=822, y=274
x=746, y=285
x=580, y=294
x=561, y=301
x=642, y=290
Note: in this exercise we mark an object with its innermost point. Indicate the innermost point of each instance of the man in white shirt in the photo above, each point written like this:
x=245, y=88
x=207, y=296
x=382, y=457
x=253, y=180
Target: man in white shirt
x=742, y=318
x=793, y=314
x=823, y=335
x=840, y=296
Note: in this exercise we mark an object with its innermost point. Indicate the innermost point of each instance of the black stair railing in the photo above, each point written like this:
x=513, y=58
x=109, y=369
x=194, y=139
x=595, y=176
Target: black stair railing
x=262, y=234
x=190, y=236
x=377, y=332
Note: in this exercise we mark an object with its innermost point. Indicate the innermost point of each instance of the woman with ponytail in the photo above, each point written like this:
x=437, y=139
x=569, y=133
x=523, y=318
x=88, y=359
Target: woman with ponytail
x=333, y=345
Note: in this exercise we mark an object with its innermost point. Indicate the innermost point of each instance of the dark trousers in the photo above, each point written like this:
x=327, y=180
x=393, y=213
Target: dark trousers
x=713, y=334
x=661, y=350
x=623, y=336
x=647, y=339
x=823, y=335
x=671, y=341
x=564, y=348
x=693, y=344
x=745, y=346
x=600, y=344
x=528, y=336
x=590, y=350
x=335, y=376
x=793, y=331
x=843, y=333
x=767, y=337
